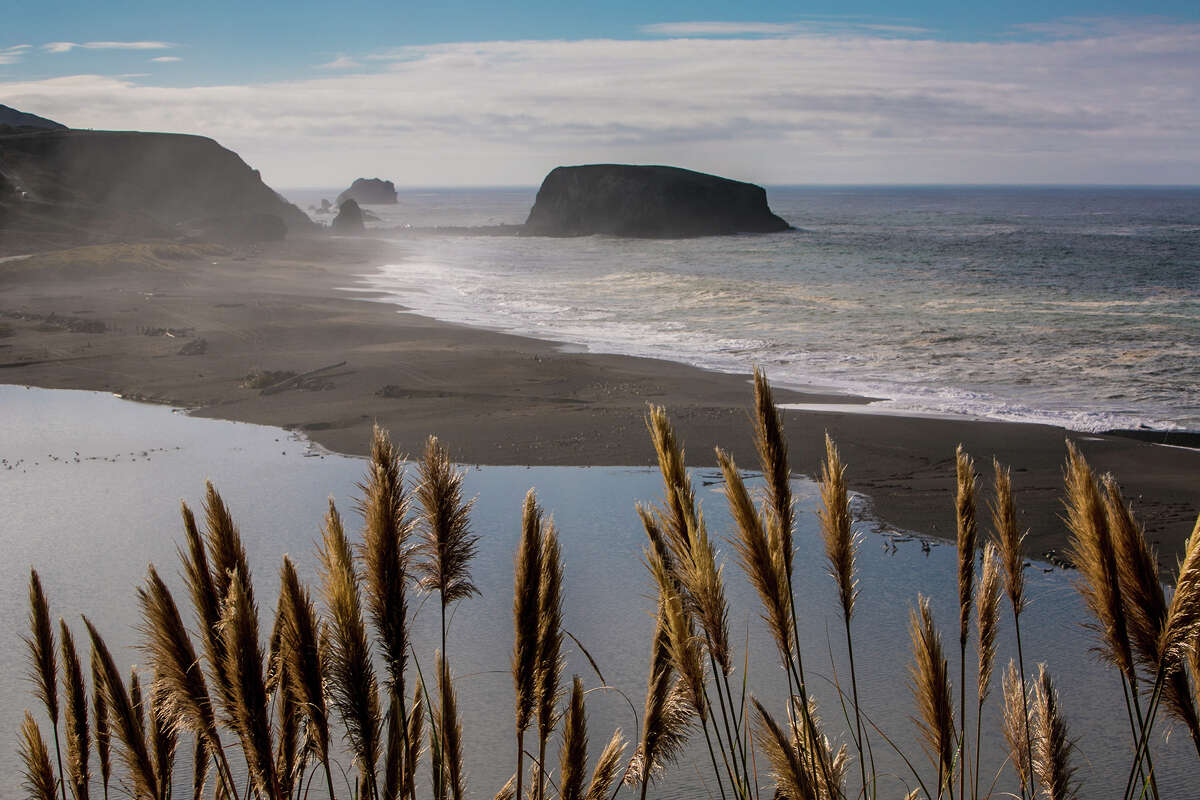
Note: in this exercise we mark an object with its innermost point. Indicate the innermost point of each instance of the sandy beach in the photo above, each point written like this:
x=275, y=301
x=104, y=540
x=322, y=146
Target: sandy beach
x=189, y=328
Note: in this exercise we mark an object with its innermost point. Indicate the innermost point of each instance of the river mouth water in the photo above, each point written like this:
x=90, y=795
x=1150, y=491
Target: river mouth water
x=89, y=492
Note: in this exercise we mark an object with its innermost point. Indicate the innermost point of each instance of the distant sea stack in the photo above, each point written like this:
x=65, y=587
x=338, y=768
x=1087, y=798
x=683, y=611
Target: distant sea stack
x=369, y=192
x=647, y=202
x=349, y=218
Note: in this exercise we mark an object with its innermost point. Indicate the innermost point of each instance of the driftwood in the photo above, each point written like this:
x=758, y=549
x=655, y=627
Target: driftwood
x=288, y=383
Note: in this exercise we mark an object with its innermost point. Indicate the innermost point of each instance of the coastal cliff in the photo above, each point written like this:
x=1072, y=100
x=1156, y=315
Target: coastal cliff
x=89, y=186
x=647, y=202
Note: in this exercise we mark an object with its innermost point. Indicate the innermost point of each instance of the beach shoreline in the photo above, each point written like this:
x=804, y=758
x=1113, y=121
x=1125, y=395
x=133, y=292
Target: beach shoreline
x=189, y=332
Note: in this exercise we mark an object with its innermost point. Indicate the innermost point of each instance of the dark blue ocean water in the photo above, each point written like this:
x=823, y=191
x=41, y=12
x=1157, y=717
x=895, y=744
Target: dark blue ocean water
x=1076, y=306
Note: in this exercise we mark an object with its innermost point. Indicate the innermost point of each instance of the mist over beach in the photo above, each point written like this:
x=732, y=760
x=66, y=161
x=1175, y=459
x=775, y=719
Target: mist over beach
x=666, y=402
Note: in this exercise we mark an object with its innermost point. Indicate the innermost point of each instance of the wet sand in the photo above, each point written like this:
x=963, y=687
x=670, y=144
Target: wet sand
x=189, y=332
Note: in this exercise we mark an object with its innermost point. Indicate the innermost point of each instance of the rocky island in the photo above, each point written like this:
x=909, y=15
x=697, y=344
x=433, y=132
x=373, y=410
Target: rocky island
x=369, y=192
x=349, y=218
x=647, y=202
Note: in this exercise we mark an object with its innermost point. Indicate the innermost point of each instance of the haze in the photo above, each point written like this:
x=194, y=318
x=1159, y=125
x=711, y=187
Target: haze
x=1064, y=93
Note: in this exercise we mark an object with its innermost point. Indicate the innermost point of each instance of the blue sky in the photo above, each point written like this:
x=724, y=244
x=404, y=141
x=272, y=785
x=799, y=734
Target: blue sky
x=223, y=41
x=468, y=92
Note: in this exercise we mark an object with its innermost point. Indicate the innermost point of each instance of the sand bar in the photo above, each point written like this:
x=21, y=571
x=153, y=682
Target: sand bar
x=188, y=332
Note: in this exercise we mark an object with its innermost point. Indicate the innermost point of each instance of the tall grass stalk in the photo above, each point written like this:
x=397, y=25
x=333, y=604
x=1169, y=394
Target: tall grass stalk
x=43, y=661
x=987, y=623
x=779, y=508
x=1009, y=542
x=445, y=550
x=968, y=533
x=1094, y=552
x=841, y=546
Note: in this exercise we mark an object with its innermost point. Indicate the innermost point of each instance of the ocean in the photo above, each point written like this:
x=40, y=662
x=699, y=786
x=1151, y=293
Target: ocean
x=1077, y=307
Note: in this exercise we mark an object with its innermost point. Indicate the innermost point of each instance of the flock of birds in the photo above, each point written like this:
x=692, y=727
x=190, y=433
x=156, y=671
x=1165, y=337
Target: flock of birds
x=24, y=464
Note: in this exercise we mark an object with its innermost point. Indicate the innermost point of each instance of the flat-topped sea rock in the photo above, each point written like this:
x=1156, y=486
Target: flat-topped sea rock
x=647, y=202
x=369, y=192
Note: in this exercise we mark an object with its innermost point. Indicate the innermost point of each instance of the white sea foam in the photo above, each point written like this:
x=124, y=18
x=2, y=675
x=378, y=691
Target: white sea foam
x=964, y=307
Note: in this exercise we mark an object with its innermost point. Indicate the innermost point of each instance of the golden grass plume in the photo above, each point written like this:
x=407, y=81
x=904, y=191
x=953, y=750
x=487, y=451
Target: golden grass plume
x=75, y=716
x=840, y=542
x=124, y=718
x=1093, y=551
x=1051, y=748
x=447, y=546
x=930, y=683
x=39, y=775
x=353, y=690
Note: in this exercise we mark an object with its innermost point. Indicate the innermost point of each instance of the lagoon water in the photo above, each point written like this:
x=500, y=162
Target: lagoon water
x=1074, y=306
x=89, y=492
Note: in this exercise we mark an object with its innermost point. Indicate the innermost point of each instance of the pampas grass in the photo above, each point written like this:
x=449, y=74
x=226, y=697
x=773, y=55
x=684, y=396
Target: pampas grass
x=1016, y=725
x=773, y=457
x=304, y=655
x=179, y=679
x=43, y=660
x=967, y=540
x=930, y=682
x=987, y=624
x=1052, y=749
x=527, y=579
x=450, y=725
x=607, y=765
x=75, y=716
x=1146, y=606
x=163, y=741
x=1094, y=553
x=100, y=712
x=761, y=557
x=39, y=775
x=124, y=718
x=416, y=723
x=665, y=717
x=447, y=546
x=319, y=678
x=549, y=658
x=573, y=755
x=244, y=666
x=841, y=547
x=792, y=777
x=354, y=692
x=1009, y=542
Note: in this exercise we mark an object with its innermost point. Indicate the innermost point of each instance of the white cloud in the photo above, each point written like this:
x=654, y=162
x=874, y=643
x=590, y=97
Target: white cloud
x=166, y=59
x=11, y=55
x=65, y=47
x=1120, y=107
x=718, y=28
x=341, y=62
x=812, y=25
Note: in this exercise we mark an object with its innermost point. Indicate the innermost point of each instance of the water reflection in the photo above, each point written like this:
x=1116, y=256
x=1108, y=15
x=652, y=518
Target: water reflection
x=89, y=487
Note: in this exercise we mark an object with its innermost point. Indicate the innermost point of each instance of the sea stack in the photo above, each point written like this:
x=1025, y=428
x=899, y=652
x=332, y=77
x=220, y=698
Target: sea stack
x=369, y=192
x=653, y=202
x=349, y=218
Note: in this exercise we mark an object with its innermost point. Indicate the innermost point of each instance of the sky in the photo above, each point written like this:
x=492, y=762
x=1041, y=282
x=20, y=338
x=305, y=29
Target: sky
x=470, y=93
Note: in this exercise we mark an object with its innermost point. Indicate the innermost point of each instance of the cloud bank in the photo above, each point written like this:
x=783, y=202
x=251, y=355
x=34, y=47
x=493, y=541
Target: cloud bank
x=66, y=47
x=1116, y=104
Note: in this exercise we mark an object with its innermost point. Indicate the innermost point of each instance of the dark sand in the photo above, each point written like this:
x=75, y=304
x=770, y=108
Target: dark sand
x=500, y=399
